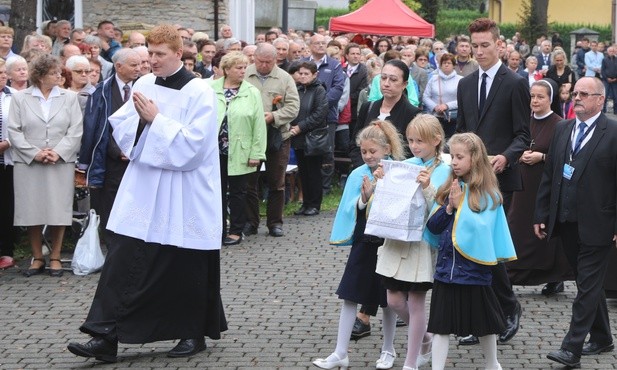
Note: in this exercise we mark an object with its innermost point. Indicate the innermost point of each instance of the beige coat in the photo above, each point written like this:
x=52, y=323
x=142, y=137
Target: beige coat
x=408, y=261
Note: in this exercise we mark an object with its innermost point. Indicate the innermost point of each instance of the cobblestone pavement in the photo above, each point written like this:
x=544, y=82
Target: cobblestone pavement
x=282, y=311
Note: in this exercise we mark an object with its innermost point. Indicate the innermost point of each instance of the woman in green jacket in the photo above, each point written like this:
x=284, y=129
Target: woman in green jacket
x=242, y=140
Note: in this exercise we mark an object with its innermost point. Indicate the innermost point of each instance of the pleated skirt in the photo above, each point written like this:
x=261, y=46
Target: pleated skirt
x=465, y=309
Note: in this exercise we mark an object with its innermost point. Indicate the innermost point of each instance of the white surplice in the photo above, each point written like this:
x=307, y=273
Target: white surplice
x=171, y=191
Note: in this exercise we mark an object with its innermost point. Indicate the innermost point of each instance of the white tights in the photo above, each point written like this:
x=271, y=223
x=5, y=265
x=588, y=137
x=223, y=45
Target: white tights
x=345, y=326
x=440, y=351
x=410, y=307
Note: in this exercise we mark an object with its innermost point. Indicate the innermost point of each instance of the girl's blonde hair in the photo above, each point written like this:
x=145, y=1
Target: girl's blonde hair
x=481, y=180
x=429, y=129
x=383, y=133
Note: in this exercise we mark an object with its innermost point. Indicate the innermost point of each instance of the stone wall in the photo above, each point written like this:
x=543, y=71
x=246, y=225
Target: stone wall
x=196, y=14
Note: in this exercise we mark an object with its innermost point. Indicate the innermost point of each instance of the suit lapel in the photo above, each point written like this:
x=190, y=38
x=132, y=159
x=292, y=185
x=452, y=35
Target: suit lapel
x=471, y=99
x=34, y=105
x=56, y=104
x=499, y=76
x=591, y=145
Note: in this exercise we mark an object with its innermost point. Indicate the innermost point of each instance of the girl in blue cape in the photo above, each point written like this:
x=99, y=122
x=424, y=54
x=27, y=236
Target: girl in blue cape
x=407, y=267
x=473, y=235
x=360, y=284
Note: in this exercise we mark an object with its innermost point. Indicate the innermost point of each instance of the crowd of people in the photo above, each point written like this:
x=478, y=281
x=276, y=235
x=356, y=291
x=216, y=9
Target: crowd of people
x=210, y=126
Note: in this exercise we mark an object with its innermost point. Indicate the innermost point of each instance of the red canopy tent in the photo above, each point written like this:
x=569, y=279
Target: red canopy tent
x=383, y=17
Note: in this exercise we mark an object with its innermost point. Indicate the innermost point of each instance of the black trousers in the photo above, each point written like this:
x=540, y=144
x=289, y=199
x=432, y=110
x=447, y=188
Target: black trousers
x=233, y=191
x=309, y=169
x=8, y=232
x=327, y=171
x=501, y=282
x=589, y=310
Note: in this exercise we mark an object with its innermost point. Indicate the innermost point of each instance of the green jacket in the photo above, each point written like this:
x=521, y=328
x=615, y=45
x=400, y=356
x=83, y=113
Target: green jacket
x=247, y=126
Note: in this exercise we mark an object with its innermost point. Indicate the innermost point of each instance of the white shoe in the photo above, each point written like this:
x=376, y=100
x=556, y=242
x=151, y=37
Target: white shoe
x=423, y=359
x=495, y=368
x=409, y=368
x=331, y=362
x=386, y=361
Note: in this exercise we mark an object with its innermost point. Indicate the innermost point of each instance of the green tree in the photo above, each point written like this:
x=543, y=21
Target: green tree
x=356, y=4
x=533, y=19
x=23, y=20
x=429, y=10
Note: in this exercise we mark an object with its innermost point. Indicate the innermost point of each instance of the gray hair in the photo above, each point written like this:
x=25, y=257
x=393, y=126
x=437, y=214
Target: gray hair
x=93, y=40
x=73, y=61
x=230, y=41
x=280, y=40
x=13, y=60
x=265, y=49
x=123, y=54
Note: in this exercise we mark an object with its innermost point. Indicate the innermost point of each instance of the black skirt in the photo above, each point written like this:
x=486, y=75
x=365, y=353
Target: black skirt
x=150, y=292
x=360, y=283
x=465, y=309
x=405, y=286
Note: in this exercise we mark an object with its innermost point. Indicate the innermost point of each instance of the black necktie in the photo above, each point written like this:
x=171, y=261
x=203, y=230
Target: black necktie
x=579, y=137
x=482, y=94
x=127, y=92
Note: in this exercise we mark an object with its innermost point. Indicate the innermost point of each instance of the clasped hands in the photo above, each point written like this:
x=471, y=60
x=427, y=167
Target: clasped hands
x=47, y=156
x=145, y=107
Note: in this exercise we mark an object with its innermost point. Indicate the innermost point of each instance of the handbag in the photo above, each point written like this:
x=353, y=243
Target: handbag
x=317, y=142
x=88, y=257
x=398, y=206
x=449, y=115
x=275, y=139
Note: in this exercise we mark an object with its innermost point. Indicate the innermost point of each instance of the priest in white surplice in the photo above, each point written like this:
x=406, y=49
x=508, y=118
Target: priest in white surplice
x=161, y=279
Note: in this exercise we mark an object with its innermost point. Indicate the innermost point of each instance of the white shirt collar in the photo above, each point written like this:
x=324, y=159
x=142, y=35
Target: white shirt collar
x=55, y=91
x=491, y=72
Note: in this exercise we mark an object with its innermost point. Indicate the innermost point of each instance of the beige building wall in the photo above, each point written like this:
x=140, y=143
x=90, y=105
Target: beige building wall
x=593, y=12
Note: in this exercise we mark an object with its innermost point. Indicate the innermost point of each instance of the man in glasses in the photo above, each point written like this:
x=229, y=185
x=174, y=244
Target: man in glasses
x=577, y=201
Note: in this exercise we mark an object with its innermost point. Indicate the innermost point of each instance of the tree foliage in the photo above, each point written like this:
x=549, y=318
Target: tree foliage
x=533, y=19
x=462, y=4
x=23, y=20
x=429, y=10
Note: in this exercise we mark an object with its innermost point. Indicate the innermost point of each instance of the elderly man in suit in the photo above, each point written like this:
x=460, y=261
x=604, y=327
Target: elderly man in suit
x=493, y=102
x=577, y=200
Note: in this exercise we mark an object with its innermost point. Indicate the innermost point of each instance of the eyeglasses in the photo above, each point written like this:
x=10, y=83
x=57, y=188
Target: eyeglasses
x=82, y=71
x=319, y=43
x=582, y=94
x=422, y=59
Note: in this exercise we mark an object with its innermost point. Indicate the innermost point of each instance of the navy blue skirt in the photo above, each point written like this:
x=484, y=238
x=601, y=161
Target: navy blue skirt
x=360, y=283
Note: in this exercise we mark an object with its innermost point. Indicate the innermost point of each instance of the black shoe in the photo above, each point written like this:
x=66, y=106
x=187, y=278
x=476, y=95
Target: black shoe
x=553, y=288
x=512, y=324
x=300, y=212
x=55, y=272
x=187, y=347
x=591, y=348
x=311, y=212
x=98, y=348
x=249, y=230
x=470, y=340
x=400, y=322
x=565, y=357
x=231, y=241
x=276, y=231
x=360, y=330
x=31, y=272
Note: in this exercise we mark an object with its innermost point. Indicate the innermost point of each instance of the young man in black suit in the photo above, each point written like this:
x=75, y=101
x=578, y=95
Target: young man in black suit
x=493, y=102
x=577, y=200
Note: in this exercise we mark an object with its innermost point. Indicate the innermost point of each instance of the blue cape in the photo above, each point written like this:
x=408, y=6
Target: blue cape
x=345, y=219
x=482, y=237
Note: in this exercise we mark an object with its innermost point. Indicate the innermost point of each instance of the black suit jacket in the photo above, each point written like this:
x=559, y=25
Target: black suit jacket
x=540, y=58
x=357, y=82
x=503, y=126
x=595, y=178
